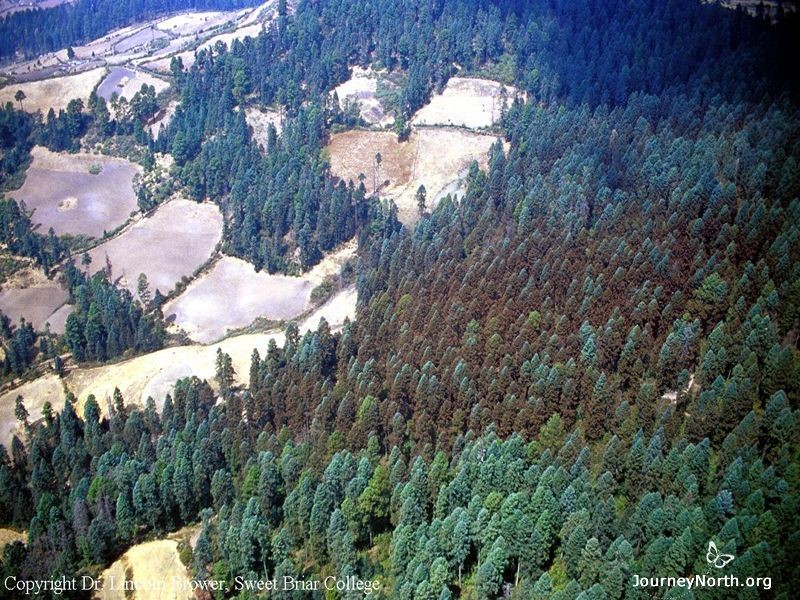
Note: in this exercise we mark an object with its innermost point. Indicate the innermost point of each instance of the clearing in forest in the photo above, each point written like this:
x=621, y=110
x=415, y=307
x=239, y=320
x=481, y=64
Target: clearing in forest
x=64, y=195
x=191, y=23
x=259, y=119
x=29, y=294
x=155, y=374
x=362, y=88
x=126, y=82
x=232, y=295
x=467, y=102
x=54, y=93
x=166, y=246
x=437, y=158
x=7, y=536
x=150, y=563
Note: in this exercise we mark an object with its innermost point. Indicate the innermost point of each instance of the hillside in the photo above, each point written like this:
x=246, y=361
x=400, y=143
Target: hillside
x=450, y=299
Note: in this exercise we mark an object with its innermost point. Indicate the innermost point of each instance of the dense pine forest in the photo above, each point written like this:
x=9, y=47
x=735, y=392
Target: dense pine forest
x=582, y=371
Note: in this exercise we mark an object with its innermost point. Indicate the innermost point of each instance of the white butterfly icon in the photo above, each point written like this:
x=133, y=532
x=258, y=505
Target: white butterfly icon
x=714, y=557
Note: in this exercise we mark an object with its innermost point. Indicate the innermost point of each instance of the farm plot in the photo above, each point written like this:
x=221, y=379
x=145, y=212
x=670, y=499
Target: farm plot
x=53, y=93
x=154, y=374
x=36, y=304
x=232, y=295
x=139, y=39
x=467, y=102
x=29, y=294
x=361, y=88
x=437, y=158
x=148, y=563
x=64, y=195
x=126, y=82
x=170, y=244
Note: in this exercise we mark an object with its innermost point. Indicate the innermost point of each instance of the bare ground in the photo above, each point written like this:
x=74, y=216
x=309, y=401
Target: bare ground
x=155, y=374
x=35, y=393
x=65, y=196
x=467, y=102
x=126, y=82
x=8, y=536
x=438, y=158
x=259, y=119
x=232, y=295
x=166, y=246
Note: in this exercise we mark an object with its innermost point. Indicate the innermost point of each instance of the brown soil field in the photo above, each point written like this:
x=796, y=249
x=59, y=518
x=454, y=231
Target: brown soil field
x=150, y=563
x=53, y=93
x=28, y=293
x=466, y=102
x=361, y=88
x=232, y=295
x=65, y=196
x=438, y=158
x=126, y=82
x=36, y=304
x=166, y=246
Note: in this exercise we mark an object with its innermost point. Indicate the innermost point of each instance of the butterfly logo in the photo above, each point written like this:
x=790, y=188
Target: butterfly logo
x=716, y=558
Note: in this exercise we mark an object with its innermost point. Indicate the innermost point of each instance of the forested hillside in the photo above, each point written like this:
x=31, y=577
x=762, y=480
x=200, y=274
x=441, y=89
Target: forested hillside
x=583, y=370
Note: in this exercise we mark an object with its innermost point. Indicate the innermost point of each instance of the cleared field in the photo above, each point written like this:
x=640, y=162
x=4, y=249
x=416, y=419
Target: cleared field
x=65, y=196
x=467, y=102
x=150, y=563
x=28, y=293
x=437, y=158
x=154, y=374
x=232, y=295
x=126, y=82
x=162, y=119
x=35, y=394
x=36, y=304
x=53, y=93
x=165, y=246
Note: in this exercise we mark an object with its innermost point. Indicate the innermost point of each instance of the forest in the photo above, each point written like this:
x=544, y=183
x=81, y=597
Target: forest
x=584, y=369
